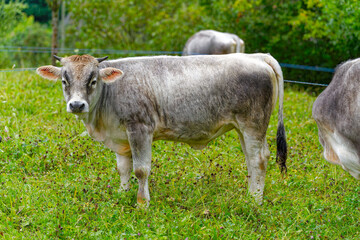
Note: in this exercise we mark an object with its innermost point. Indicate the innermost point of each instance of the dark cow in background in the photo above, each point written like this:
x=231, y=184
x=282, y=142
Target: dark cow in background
x=213, y=42
x=129, y=103
x=337, y=114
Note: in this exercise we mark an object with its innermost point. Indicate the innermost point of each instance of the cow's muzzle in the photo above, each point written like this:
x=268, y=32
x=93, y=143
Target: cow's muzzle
x=77, y=107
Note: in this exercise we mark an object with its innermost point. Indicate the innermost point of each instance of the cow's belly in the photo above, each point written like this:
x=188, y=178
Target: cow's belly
x=196, y=138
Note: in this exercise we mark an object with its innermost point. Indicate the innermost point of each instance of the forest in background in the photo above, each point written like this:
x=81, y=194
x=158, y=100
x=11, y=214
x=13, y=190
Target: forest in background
x=320, y=33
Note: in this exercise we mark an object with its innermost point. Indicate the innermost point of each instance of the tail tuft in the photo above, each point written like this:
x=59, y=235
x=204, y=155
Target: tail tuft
x=281, y=154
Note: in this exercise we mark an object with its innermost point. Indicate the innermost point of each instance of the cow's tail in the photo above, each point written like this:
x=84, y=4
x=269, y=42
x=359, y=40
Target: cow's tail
x=281, y=154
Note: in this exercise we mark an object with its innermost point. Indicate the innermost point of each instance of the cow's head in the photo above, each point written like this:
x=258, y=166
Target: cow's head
x=81, y=80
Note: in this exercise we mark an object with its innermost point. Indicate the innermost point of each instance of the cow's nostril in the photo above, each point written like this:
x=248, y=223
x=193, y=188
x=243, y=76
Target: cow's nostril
x=82, y=106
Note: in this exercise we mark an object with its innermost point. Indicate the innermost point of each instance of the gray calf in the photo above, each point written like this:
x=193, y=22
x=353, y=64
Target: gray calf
x=213, y=42
x=337, y=114
x=129, y=103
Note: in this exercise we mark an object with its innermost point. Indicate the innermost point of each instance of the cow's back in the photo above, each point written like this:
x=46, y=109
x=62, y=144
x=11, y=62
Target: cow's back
x=212, y=42
x=199, y=43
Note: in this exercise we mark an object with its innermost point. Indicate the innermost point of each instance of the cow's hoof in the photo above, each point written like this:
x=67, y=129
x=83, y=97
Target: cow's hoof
x=142, y=202
x=124, y=188
x=143, y=205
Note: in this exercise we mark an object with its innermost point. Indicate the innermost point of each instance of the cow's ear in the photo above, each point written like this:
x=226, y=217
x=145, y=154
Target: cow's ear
x=109, y=75
x=49, y=72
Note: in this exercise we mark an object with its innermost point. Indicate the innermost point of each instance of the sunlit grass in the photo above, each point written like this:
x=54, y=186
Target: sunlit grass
x=55, y=182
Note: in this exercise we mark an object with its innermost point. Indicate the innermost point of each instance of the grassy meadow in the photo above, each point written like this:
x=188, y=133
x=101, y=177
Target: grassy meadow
x=57, y=183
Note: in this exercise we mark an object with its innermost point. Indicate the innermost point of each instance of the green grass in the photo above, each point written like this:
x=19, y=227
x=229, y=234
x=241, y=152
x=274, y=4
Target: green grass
x=57, y=183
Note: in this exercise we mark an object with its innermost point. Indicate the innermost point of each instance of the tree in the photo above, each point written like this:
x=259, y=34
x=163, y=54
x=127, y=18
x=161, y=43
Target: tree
x=54, y=6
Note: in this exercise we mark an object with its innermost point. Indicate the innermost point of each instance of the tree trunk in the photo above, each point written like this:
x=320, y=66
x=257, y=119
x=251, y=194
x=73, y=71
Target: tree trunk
x=62, y=26
x=55, y=28
x=54, y=6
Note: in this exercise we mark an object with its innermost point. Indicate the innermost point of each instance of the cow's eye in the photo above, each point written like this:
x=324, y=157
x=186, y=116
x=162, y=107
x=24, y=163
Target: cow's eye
x=65, y=79
x=93, y=83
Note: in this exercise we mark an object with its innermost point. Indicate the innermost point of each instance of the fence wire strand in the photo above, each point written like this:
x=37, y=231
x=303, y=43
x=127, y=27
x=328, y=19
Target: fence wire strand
x=307, y=83
x=17, y=69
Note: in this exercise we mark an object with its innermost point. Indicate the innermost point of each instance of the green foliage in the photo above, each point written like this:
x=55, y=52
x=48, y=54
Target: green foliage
x=39, y=9
x=25, y=33
x=129, y=25
x=21, y=30
x=57, y=183
x=335, y=22
x=11, y=14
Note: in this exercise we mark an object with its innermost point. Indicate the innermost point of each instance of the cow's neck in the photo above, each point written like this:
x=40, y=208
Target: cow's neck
x=94, y=121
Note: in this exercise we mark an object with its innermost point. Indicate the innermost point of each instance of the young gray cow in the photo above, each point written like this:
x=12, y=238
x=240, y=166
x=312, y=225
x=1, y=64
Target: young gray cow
x=128, y=103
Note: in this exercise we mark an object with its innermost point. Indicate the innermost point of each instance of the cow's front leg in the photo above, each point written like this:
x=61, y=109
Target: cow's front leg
x=124, y=166
x=140, y=139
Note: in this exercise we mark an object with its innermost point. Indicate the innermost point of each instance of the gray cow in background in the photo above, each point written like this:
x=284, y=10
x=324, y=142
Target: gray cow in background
x=213, y=42
x=337, y=114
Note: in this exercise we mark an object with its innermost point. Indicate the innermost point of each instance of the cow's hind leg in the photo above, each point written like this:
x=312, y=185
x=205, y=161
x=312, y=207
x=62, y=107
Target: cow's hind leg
x=257, y=155
x=243, y=147
x=124, y=166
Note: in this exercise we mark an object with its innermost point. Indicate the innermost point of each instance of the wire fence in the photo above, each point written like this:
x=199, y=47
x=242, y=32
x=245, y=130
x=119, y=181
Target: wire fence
x=304, y=67
x=29, y=49
x=82, y=50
